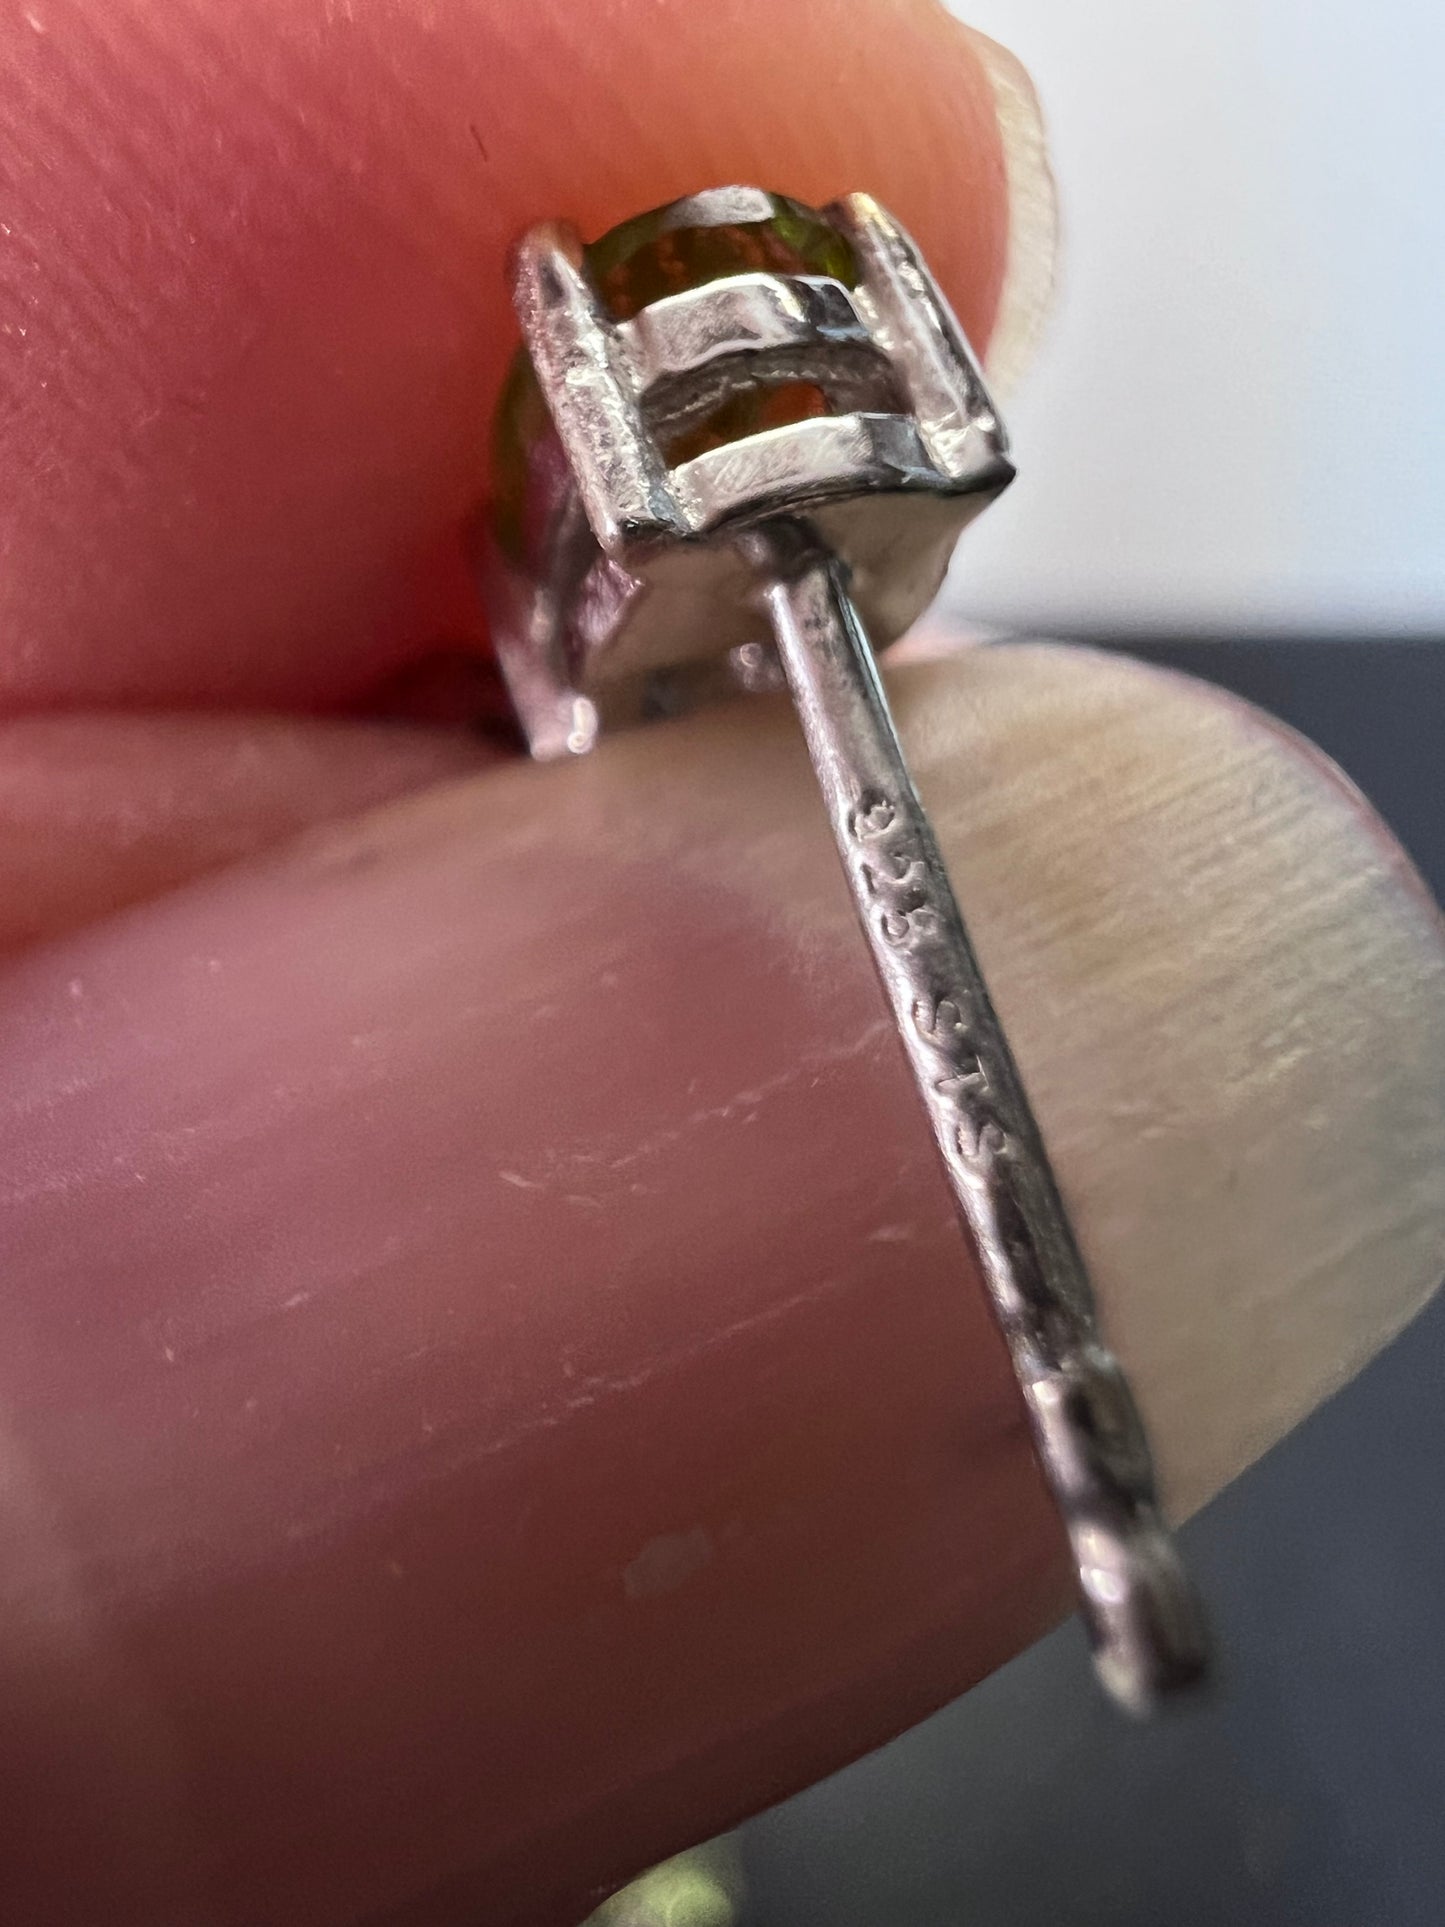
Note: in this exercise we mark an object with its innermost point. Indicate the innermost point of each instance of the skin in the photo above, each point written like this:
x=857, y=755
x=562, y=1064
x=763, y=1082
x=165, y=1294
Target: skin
x=490, y=1390
x=257, y=251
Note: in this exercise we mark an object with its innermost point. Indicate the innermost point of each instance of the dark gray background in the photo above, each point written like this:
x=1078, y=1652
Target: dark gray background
x=1311, y=1791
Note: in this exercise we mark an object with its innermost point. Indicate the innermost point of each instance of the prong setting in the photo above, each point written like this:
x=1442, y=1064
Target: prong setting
x=627, y=568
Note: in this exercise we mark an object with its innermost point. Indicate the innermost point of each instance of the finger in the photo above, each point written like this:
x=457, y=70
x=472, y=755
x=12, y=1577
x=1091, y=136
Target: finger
x=98, y=811
x=251, y=288
x=493, y=1388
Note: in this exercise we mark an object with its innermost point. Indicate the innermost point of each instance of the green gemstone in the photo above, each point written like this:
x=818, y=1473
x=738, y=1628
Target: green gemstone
x=522, y=424
x=678, y=247
x=668, y=251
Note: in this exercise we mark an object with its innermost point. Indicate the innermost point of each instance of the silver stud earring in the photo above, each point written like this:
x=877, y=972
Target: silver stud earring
x=742, y=441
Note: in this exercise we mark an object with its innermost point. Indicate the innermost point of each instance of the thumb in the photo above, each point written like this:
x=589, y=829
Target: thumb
x=493, y=1391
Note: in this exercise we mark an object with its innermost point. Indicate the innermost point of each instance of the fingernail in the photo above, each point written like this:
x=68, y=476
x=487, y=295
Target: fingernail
x=1027, y=294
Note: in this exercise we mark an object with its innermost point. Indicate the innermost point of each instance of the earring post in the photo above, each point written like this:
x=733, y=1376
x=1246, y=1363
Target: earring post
x=1138, y=1605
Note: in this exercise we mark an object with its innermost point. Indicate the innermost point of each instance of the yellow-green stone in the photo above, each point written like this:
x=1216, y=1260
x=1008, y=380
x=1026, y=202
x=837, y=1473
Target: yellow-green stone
x=662, y=253
x=650, y=257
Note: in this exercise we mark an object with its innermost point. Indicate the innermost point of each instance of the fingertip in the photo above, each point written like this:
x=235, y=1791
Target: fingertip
x=255, y=269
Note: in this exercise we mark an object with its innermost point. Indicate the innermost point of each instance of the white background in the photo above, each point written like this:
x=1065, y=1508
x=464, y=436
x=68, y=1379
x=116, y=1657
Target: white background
x=1237, y=417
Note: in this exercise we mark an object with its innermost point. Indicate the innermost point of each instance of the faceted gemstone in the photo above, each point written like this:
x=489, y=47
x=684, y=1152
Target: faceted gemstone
x=521, y=426
x=668, y=251
x=749, y=411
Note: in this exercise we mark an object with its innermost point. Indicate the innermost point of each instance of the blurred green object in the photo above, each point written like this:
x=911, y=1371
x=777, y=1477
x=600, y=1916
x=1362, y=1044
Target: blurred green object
x=702, y=1888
